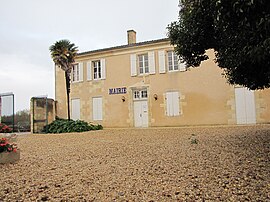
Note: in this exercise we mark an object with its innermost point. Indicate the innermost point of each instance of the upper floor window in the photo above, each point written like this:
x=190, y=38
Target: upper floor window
x=168, y=61
x=77, y=72
x=172, y=61
x=143, y=64
x=97, y=69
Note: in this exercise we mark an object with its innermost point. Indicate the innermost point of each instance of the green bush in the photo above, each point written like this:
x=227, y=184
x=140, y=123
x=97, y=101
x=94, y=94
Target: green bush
x=66, y=126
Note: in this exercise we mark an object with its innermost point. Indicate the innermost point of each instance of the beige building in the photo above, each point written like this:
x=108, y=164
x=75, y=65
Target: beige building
x=143, y=85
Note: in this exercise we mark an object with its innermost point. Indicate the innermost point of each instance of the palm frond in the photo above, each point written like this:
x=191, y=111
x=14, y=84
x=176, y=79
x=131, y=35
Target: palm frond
x=63, y=53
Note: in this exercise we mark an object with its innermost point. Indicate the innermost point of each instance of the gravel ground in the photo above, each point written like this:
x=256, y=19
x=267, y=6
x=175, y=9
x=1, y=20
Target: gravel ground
x=160, y=164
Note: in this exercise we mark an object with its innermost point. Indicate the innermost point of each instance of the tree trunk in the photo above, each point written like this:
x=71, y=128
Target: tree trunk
x=68, y=91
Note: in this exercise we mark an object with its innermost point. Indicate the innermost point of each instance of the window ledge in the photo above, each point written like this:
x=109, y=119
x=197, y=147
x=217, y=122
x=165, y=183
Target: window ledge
x=74, y=82
x=145, y=74
x=97, y=79
x=172, y=71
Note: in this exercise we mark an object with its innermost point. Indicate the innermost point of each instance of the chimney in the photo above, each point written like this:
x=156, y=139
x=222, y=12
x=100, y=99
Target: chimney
x=131, y=36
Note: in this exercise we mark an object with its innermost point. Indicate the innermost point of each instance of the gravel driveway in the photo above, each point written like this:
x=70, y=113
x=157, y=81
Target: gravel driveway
x=160, y=164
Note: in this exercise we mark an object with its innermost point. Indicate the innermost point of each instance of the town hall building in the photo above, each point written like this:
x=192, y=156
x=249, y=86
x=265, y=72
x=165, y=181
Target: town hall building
x=143, y=84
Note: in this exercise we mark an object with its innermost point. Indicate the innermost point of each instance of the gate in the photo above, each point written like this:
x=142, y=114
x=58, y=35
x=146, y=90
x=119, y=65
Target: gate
x=7, y=109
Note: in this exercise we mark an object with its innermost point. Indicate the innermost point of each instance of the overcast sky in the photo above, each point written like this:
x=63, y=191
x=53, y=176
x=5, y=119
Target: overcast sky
x=29, y=27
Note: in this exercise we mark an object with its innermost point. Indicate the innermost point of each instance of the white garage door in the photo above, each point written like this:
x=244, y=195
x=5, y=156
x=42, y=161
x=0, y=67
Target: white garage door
x=245, y=106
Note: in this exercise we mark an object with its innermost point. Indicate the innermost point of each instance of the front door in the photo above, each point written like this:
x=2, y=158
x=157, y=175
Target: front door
x=141, y=113
x=245, y=106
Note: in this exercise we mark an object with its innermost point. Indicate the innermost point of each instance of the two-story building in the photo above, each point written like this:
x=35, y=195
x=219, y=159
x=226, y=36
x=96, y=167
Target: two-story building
x=144, y=85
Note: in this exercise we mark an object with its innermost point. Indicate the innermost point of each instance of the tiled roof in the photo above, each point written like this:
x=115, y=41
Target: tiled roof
x=124, y=46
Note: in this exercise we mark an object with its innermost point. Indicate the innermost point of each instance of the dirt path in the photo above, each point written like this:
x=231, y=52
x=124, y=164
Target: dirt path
x=166, y=164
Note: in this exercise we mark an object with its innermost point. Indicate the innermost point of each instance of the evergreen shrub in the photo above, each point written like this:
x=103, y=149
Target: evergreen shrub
x=66, y=126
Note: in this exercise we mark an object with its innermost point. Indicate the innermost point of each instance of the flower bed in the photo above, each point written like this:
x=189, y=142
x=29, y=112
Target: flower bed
x=9, y=152
x=4, y=128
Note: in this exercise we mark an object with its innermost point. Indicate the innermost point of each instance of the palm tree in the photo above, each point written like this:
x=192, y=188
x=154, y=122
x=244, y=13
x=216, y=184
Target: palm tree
x=63, y=53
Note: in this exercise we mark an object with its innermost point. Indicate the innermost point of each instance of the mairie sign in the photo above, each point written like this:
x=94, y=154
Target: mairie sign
x=113, y=91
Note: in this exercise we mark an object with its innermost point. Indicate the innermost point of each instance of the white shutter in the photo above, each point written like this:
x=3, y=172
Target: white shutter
x=175, y=103
x=80, y=71
x=94, y=109
x=100, y=109
x=245, y=106
x=169, y=104
x=240, y=105
x=75, y=109
x=152, y=65
x=182, y=66
x=72, y=74
x=89, y=70
x=103, y=69
x=161, y=61
x=133, y=65
x=250, y=106
x=172, y=103
x=97, y=109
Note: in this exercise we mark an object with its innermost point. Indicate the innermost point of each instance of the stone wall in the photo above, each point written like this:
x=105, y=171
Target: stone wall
x=42, y=112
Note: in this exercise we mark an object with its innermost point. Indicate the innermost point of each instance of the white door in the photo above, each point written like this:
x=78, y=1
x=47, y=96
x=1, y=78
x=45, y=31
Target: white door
x=141, y=113
x=75, y=109
x=245, y=106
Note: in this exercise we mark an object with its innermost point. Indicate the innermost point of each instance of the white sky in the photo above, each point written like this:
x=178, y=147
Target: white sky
x=29, y=27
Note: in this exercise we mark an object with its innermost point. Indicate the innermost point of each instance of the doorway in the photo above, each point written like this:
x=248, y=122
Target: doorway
x=140, y=106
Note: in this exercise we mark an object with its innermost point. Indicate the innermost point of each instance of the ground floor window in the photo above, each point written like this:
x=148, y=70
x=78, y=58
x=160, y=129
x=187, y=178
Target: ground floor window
x=172, y=104
x=97, y=108
x=75, y=109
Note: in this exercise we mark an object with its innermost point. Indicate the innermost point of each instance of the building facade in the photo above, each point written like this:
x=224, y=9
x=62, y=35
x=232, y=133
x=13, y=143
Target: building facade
x=144, y=85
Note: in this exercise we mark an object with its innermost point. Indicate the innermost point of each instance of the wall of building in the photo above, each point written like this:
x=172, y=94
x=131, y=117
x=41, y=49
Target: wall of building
x=60, y=93
x=263, y=106
x=205, y=97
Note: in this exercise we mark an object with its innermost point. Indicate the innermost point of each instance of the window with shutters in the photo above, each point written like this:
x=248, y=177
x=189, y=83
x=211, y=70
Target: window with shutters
x=97, y=69
x=75, y=109
x=169, y=62
x=97, y=109
x=75, y=73
x=143, y=64
x=172, y=61
x=172, y=104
